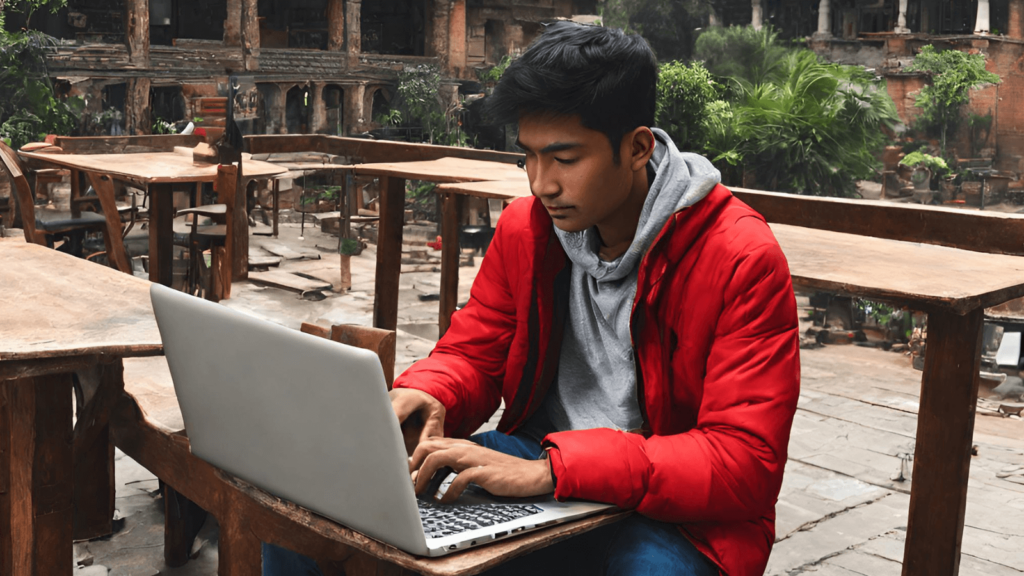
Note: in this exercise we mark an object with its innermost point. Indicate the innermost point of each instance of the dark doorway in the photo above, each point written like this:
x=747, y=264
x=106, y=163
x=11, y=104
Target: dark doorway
x=334, y=110
x=297, y=110
x=395, y=26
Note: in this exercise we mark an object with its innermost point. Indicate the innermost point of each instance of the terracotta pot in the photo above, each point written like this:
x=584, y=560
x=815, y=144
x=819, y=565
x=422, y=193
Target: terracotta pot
x=972, y=193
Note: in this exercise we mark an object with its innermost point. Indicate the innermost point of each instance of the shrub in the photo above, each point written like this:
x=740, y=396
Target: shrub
x=684, y=93
x=936, y=164
x=29, y=110
x=954, y=74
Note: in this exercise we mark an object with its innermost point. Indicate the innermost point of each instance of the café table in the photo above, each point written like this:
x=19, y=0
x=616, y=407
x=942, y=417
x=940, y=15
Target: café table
x=158, y=172
x=66, y=325
x=392, y=177
x=953, y=286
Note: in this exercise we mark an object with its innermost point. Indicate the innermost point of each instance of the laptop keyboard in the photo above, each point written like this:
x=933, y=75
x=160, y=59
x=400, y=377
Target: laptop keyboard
x=441, y=520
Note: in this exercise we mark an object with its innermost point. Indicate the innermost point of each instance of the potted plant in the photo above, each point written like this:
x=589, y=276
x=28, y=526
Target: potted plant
x=926, y=167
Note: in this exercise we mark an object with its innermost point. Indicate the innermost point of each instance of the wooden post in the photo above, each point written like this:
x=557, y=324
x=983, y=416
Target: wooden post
x=389, y=252
x=353, y=31
x=238, y=546
x=39, y=463
x=233, y=23
x=136, y=32
x=335, y=25
x=250, y=35
x=438, y=38
x=136, y=107
x=451, y=217
x=457, y=37
x=942, y=458
x=93, y=450
x=161, y=233
x=183, y=519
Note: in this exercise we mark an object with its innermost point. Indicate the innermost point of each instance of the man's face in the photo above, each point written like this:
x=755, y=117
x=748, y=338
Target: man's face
x=572, y=171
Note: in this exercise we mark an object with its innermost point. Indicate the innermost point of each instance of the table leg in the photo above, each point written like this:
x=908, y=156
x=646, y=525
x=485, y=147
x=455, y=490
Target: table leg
x=389, y=252
x=98, y=392
x=161, y=233
x=451, y=217
x=76, y=193
x=238, y=245
x=277, y=200
x=942, y=458
x=36, y=526
x=117, y=255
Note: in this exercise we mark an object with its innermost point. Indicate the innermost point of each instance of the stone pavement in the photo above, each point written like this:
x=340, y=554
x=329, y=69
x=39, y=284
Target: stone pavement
x=840, y=512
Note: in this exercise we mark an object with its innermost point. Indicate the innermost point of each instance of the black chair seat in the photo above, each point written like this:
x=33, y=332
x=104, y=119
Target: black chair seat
x=53, y=221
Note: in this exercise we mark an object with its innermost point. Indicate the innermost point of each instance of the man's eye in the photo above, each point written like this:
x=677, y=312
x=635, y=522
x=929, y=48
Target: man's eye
x=566, y=160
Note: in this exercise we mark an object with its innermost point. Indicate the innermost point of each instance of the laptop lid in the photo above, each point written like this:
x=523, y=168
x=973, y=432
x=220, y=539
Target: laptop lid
x=302, y=417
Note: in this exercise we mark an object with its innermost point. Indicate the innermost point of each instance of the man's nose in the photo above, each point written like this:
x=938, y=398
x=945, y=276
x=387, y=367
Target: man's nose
x=542, y=181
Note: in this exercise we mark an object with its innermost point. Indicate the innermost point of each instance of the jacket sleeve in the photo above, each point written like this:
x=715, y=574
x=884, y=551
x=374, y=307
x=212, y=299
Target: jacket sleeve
x=729, y=466
x=465, y=370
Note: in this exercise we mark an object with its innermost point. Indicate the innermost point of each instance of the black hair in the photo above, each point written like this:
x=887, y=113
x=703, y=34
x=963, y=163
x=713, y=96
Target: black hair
x=606, y=77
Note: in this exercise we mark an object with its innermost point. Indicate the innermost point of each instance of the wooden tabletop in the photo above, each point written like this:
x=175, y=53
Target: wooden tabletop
x=56, y=305
x=493, y=189
x=444, y=170
x=152, y=167
x=921, y=276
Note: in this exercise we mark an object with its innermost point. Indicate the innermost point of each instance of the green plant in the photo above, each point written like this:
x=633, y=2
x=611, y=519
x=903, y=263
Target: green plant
x=389, y=118
x=418, y=98
x=954, y=74
x=742, y=55
x=493, y=74
x=29, y=109
x=161, y=126
x=936, y=164
x=803, y=126
x=684, y=93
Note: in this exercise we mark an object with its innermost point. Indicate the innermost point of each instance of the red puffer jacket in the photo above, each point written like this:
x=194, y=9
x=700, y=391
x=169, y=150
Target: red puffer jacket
x=714, y=329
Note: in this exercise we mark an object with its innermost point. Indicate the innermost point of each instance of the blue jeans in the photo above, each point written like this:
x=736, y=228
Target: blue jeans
x=636, y=546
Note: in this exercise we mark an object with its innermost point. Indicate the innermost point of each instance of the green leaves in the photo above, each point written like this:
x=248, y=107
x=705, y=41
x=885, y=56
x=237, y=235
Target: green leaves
x=29, y=110
x=792, y=122
x=684, y=92
x=954, y=74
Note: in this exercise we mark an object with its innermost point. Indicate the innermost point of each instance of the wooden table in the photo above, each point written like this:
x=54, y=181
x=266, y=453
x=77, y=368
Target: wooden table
x=392, y=211
x=61, y=316
x=953, y=286
x=158, y=172
x=453, y=205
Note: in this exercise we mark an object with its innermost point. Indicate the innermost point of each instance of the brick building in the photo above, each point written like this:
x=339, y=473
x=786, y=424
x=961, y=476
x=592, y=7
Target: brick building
x=321, y=66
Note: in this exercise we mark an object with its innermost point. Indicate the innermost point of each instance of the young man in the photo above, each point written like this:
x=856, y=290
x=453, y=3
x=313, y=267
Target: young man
x=638, y=321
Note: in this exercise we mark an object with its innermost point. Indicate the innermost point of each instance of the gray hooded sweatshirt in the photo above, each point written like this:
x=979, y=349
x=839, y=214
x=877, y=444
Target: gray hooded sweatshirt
x=596, y=382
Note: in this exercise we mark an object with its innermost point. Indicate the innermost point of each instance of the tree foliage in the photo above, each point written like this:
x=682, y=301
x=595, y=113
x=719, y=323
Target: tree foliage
x=419, y=100
x=954, y=74
x=684, y=92
x=793, y=122
x=29, y=109
x=667, y=25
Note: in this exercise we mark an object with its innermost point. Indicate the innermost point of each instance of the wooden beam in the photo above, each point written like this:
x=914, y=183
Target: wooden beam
x=233, y=23
x=389, y=252
x=335, y=25
x=942, y=458
x=353, y=31
x=364, y=151
x=136, y=33
x=126, y=144
x=117, y=255
x=250, y=31
x=93, y=449
x=991, y=232
x=161, y=233
x=39, y=465
x=451, y=217
x=136, y=107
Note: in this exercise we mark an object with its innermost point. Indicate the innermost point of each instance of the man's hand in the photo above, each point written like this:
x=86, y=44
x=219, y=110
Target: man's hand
x=499, y=474
x=420, y=414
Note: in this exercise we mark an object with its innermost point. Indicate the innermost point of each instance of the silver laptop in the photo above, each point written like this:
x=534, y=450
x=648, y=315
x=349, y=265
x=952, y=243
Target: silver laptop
x=309, y=420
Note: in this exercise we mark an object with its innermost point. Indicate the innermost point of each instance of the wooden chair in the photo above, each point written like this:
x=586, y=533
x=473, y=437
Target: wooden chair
x=44, y=226
x=148, y=427
x=216, y=280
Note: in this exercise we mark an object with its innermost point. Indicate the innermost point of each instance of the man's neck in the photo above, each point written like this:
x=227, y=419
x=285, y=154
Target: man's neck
x=617, y=235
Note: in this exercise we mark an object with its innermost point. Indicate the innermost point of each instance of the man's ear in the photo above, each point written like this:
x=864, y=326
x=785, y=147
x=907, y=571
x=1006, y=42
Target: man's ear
x=641, y=147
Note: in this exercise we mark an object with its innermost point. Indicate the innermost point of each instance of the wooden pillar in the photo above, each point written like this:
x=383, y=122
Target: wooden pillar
x=981, y=22
x=901, y=19
x=318, y=114
x=353, y=31
x=233, y=24
x=281, y=111
x=1015, y=28
x=97, y=392
x=942, y=457
x=250, y=34
x=756, y=15
x=438, y=38
x=352, y=108
x=136, y=32
x=457, y=37
x=452, y=209
x=38, y=458
x=335, y=25
x=136, y=107
x=389, y=252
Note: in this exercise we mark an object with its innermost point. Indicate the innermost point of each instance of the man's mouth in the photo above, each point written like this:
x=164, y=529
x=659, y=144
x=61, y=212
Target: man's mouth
x=557, y=208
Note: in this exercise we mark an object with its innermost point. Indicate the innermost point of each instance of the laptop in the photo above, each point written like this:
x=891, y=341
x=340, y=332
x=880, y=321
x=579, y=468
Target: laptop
x=309, y=420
